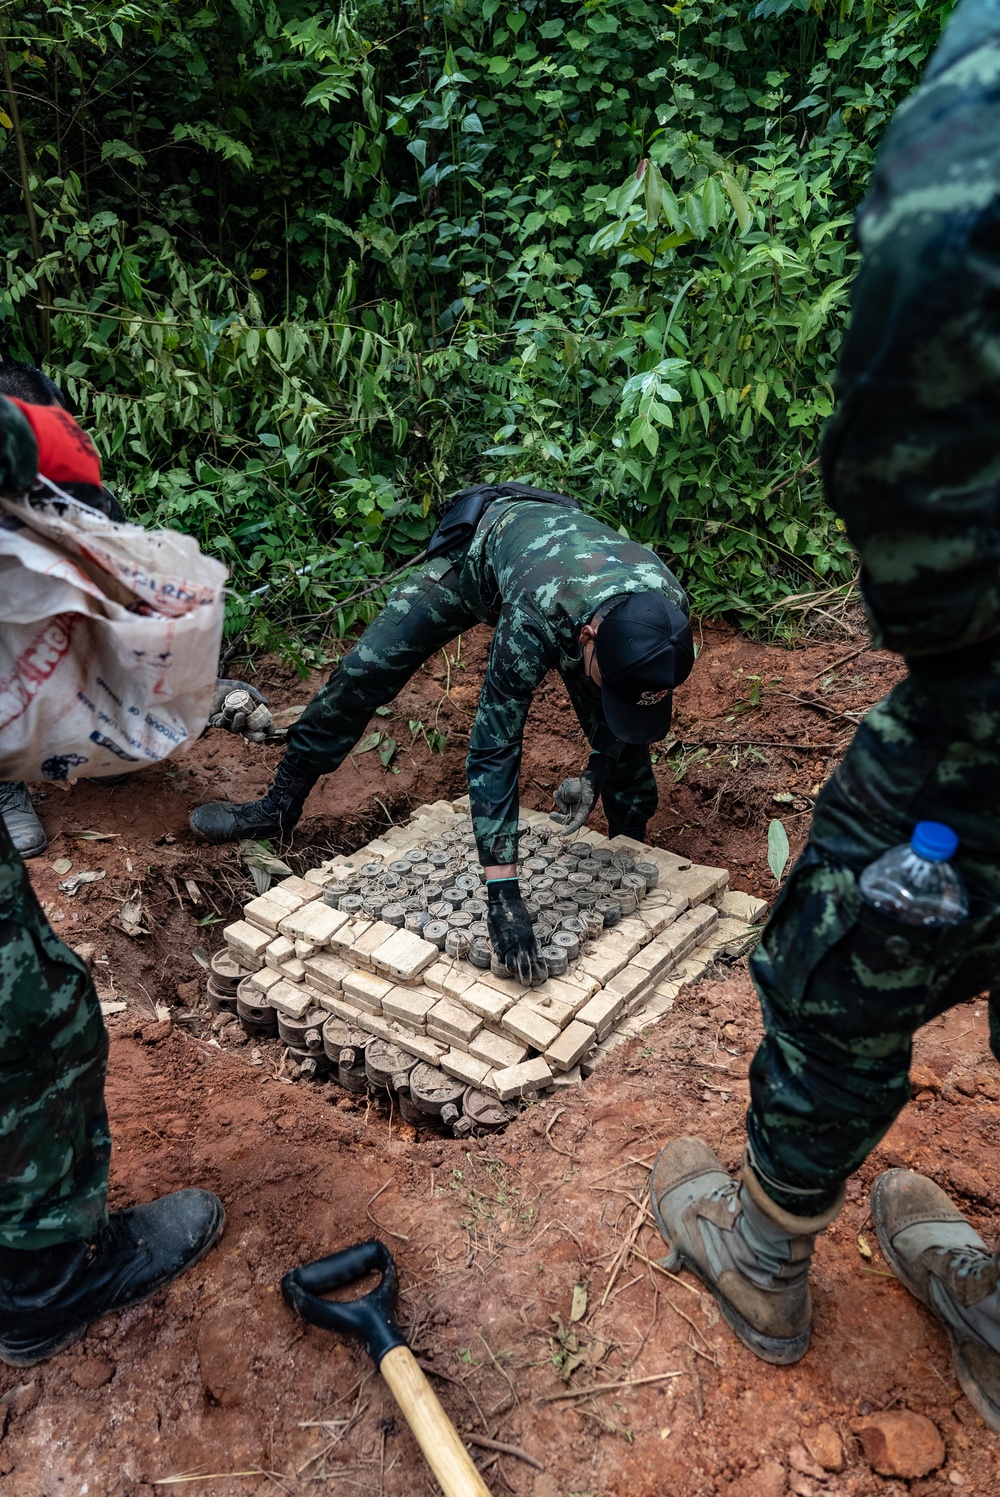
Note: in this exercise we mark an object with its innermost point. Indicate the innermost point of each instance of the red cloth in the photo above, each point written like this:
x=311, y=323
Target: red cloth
x=65, y=452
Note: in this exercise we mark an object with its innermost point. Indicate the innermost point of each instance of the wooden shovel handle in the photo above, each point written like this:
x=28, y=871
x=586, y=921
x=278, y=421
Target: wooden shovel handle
x=432, y=1429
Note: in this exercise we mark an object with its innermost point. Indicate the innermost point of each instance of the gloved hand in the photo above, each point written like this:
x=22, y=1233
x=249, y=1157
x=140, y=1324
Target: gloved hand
x=240, y=708
x=511, y=933
x=577, y=797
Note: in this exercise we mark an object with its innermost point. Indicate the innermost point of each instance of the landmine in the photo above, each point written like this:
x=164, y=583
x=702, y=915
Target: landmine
x=381, y=958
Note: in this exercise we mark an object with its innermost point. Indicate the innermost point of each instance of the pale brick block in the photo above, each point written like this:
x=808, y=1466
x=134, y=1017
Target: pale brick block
x=462, y=806
x=601, y=1012
x=496, y=1050
x=658, y=914
x=291, y=998
x=294, y=885
x=737, y=905
x=656, y=958
x=558, y=992
x=316, y=922
x=404, y=955
x=486, y=1002
x=366, y=990
x=629, y=845
x=602, y=962
x=553, y=1009
x=342, y=940
x=516, y=1081
x=247, y=943
x=696, y=884
x=280, y=951
x=464, y=1067
x=293, y=971
x=264, y=980
x=578, y=979
x=572, y=1077
x=661, y=1000
x=449, y=1020
x=691, y=968
x=375, y=936
x=375, y=1024
x=318, y=879
x=448, y=976
x=409, y=1005
x=343, y=1008
x=629, y=983
x=267, y=910
x=420, y=1045
x=574, y=1042
x=632, y=929
x=304, y=949
x=327, y=972
x=526, y=1024
x=590, y=1062
x=511, y=987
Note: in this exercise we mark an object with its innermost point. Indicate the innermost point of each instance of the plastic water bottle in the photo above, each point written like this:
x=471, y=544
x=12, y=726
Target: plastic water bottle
x=916, y=883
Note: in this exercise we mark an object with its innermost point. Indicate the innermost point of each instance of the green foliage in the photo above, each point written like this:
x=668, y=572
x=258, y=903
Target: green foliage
x=305, y=271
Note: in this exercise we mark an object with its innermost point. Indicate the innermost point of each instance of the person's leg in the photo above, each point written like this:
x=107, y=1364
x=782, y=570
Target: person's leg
x=422, y=615
x=63, y=1261
x=22, y=823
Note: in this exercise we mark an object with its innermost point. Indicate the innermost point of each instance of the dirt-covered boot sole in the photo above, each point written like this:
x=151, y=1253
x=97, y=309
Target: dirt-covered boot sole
x=984, y=1406
x=780, y=1351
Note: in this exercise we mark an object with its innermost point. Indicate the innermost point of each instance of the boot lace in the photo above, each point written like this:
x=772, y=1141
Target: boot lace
x=965, y=1260
x=726, y=1194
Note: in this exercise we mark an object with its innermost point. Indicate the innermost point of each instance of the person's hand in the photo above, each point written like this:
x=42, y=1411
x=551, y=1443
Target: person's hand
x=240, y=708
x=577, y=797
x=511, y=932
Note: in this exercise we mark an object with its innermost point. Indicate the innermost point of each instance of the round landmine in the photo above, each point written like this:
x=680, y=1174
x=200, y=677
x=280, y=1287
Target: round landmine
x=468, y=882
x=417, y=855
x=555, y=960
x=564, y=907
x=544, y=898
x=226, y=974
x=313, y=1065
x=394, y=914
x=440, y=909
x=217, y=1000
x=586, y=898
x=251, y=1002
x=574, y=924
x=436, y=931
x=543, y=930
x=467, y=840
x=567, y=941
x=592, y=923
x=454, y=897
x=533, y=908
x=636, y=883
x=371, y=870
x=390, y=881
x=387, y=1066
x=578, y=880
x=338, y=1036
x=481, y=954
x=438, y=857
x=352, y=904
x=293, y=1031
x=259, y=1029
x=416, y=920
x=475, y=907
x=481, y=1113
x=458, y=943
x=414, y=904
x=479, y=930
x=459, y=920
x=400, y=865
x=628, y=900
x=334, y=893
x=534, y=865
x=602, y=855
x=564, y=889
x=590, y=867
x=610, y=911
x=434, y=1094
x=612, y=877
x=375, y=904
x=543, y=885
x=624, y=862
x=499, y=968
x=602, y=888
x=650, y=872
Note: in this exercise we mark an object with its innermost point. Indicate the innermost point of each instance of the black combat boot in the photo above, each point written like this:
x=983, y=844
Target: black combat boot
x=26, y=831
x=49, y=1296
x=275, y=815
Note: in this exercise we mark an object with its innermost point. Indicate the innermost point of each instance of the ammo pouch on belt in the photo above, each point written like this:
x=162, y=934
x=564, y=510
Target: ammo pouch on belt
x=461, y=517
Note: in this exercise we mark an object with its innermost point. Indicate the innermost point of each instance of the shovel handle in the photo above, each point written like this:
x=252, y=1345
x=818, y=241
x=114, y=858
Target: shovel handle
x=432, y=1429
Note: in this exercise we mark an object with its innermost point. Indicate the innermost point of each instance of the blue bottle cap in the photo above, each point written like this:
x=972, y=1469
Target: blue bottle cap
x=934, y=841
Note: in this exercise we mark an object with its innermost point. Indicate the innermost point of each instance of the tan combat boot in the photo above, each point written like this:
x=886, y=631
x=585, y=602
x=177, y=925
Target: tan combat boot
x=943, y=1261
x=752, y=1255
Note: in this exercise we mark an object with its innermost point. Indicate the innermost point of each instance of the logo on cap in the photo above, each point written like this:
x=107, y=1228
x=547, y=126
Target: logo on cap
x=650, y=698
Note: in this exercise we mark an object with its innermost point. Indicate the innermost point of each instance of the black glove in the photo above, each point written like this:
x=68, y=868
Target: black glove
x=511, y=933
x=240, y=708
x=577, y=797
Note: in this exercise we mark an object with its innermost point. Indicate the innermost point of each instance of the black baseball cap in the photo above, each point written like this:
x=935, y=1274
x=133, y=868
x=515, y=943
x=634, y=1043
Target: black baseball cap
x=644, y=649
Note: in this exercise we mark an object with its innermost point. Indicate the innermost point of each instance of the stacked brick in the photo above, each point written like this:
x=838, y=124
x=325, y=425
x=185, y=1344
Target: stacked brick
x=317, y=954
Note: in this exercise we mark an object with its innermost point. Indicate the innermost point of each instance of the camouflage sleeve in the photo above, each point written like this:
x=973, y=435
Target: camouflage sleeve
x=520, y=658
x=912, y=455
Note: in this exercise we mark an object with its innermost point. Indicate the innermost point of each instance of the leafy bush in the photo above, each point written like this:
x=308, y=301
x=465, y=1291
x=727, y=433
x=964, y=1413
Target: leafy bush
x=305, y=272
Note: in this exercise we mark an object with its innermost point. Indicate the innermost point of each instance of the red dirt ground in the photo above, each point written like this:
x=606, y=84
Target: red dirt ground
x=214, y=1377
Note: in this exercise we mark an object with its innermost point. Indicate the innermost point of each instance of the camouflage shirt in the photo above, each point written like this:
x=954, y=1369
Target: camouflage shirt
x=538, y=572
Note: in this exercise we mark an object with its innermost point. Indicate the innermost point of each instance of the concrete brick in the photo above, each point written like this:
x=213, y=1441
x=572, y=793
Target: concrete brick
x=630, y=983
x=293, y=971
x=247, y=944
x=631, y=932
x=526, y=1024
x=342, y=1007
x=729, y=938
x=590, y=1062
x=376, y=935
x=420, y=1045
x=601, y=1012
x=449, y=1020
x=510, y=987
x=515, y=1081
x=657, y=957
x=291, y=998
x=658, y=914
x=448, y=976
x=556, y=991
x=486, y=1002
x=553, y=1009
x=696, y=884
x=315, y=922
x=281, y=950
x=366, y=990
x=327, y=972
x=293, y=885
x=270, y=908
x=602, y=962
x=691, y=968
x=375, y=1024
x=342, y=940
x=497, y=1050
x=404, y=955
x=464, y=1067
x=409, y=1005
x=574, y=1042
x=739, y=906
x=264, y=980
x=304, y=949
x=318, y=879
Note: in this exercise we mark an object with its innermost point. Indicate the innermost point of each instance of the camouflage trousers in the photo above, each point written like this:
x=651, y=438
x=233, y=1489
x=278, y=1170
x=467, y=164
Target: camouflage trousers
x=424, y=613
x=54, y=1141
x=842, y=987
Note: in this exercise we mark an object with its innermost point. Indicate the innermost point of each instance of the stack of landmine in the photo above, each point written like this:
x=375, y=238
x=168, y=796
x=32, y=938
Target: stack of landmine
x=390, y=944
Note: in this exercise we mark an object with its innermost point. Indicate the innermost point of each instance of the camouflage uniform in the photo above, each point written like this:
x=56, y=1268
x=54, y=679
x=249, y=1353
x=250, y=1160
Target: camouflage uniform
x=54, y=1139
x=912, y=463
x=537, y=572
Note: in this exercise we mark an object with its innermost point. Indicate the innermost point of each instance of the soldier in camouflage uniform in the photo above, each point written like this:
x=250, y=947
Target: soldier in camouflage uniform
x=64, y=1262
x=564, y=592
x=912, y=463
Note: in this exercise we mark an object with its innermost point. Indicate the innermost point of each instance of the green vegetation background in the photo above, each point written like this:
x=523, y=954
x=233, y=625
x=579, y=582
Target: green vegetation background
x=306, y=271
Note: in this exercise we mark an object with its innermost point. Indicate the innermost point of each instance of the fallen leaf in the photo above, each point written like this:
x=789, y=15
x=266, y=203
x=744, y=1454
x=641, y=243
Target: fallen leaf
x=370, y=741
x=83, y=836
x=863, y=1247
x=77, y=880
x=130, y=915
x=62, y=865
x=783, y=797
x=578, y=1309
x=201, y=956
x=193, y=890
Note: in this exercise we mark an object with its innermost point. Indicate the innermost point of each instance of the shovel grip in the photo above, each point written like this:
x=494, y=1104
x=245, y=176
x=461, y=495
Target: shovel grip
x=432, y=1429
